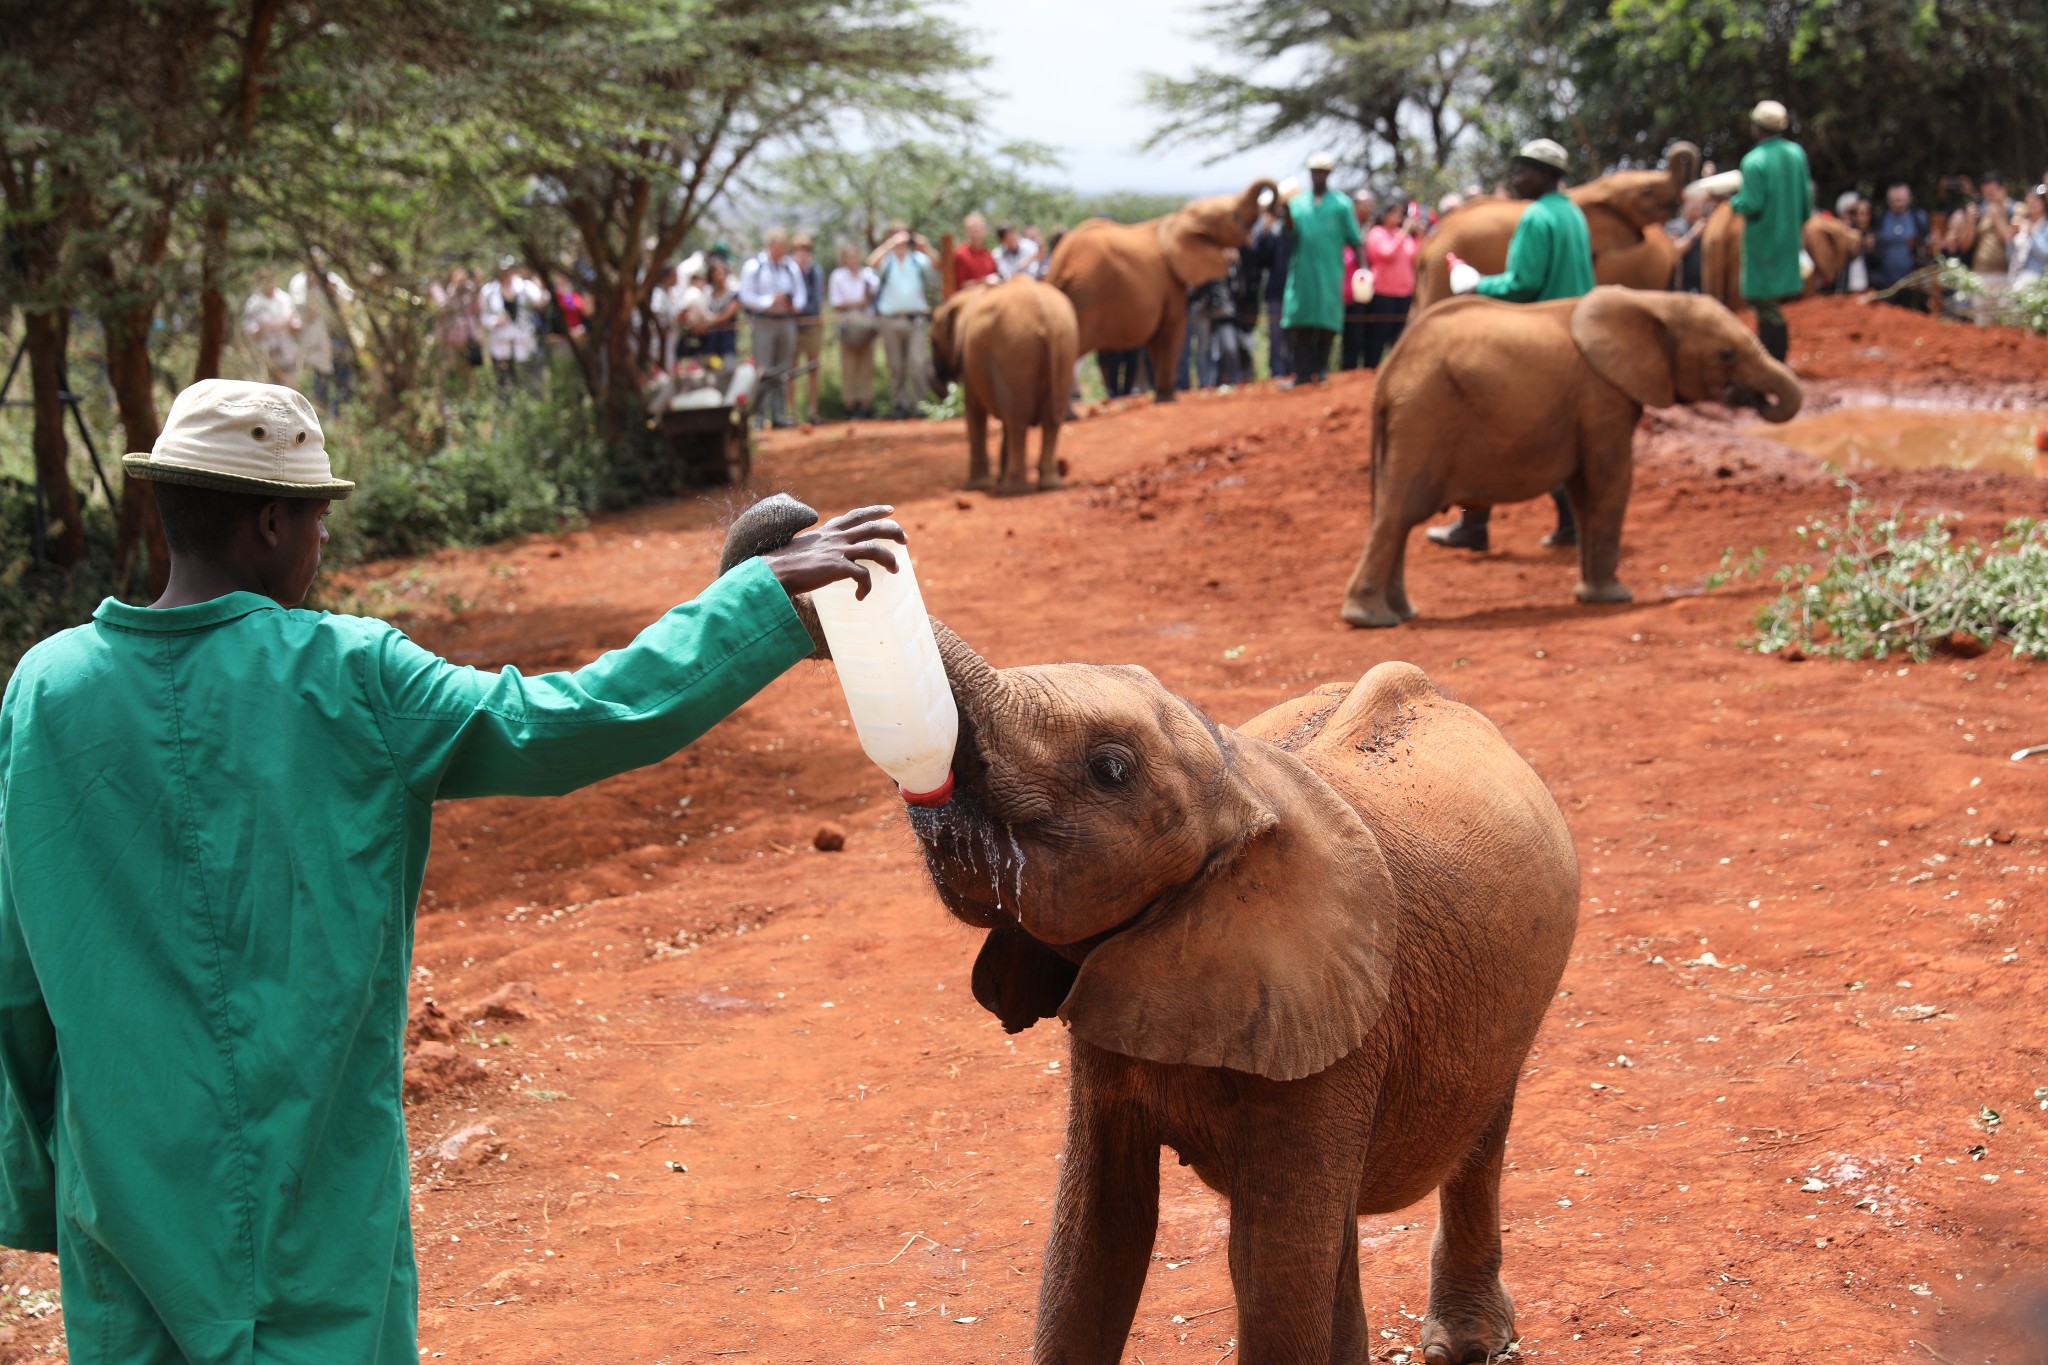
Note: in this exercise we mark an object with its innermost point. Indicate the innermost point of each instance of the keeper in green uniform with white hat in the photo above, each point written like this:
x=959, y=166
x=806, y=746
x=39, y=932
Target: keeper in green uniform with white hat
x=1549, y=257
x=214, y=817
x=1776, y=199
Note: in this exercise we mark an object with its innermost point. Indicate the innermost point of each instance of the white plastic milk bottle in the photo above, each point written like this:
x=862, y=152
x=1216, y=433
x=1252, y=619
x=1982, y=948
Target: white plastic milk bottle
x=895, y=684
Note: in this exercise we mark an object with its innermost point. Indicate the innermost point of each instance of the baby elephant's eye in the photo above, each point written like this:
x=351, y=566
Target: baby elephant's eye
x=1109, y=769
x=1727, y=355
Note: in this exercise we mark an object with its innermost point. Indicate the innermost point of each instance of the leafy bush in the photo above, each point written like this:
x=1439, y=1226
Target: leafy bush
x=1883, y=588
x=38, y=599
x=507, y=467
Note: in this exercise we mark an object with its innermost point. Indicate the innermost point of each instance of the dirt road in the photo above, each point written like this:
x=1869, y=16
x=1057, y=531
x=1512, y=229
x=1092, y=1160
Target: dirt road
x=1785, y=1105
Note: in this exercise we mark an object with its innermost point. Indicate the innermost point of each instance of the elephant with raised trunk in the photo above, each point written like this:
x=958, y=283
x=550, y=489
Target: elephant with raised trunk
x=1490, y=402
x=1129, y=281
x=1625, y=213
x=1309, y=955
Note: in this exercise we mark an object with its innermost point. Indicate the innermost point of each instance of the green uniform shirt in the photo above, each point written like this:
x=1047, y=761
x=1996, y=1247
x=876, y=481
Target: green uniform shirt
x=1776, y=197
x=1549, y=257
x=213, y=827
x=1316, y=286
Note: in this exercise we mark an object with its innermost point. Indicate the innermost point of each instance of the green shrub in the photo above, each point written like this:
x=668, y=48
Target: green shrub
x=38, y=599
x=509, y=466
x=1879, y=587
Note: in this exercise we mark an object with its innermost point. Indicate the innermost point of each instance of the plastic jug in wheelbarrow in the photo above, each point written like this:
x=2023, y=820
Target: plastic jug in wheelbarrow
x=894, y=681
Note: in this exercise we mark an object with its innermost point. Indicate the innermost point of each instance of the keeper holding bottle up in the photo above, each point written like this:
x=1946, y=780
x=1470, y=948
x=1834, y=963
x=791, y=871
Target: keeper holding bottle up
x=214, y=818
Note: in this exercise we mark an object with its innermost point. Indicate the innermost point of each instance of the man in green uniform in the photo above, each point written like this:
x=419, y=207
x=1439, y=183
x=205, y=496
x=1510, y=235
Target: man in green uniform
x=1323, y=224
x=1776, y=198
x=214, y=817
x=1549, y=257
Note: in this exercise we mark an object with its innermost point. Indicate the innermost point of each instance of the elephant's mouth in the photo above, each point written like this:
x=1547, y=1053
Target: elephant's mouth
x=976, y=863
x=1757, y=400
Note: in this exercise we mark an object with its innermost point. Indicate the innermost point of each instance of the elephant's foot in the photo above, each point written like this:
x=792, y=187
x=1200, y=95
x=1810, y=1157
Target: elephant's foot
x=1006, y=489
x=1603, y=592
x=979, y=483
x=1373, y=613
x=1163, y=397
x=1050, y=480
x=1468, y=1326
x=1402, y=607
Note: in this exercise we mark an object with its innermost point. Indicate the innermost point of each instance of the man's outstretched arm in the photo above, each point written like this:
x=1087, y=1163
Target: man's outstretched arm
x=457, y=732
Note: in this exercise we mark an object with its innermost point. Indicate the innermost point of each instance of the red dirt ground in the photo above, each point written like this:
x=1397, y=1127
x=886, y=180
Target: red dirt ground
x=1753, y=1128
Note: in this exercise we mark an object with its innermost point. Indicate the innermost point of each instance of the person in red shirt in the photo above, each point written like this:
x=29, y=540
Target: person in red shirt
x=972, y=260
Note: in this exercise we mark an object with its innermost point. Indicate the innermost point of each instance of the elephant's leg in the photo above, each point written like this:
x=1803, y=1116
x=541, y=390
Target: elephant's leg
x=1164, y=348
x=1349, y=1342
x=1049, y=456
x=1471, y=1317
x=977, y=443
x=1378, y=592
x=1294, y=1260
x=1599, y=491
x=1016, y=452
x=1104, y=1217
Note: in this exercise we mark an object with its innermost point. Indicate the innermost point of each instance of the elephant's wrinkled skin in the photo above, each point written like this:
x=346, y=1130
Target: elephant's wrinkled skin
x=1309, y=956
x=1011, y=348
x=1625, y=214
x=1488, y=402
x=1129, y=281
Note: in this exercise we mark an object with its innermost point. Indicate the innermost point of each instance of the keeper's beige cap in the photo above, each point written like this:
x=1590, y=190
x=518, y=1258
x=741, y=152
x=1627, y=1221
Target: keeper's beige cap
x=1544, y=152
x=242, y=437
x=1770, y=116
x=1322, y=161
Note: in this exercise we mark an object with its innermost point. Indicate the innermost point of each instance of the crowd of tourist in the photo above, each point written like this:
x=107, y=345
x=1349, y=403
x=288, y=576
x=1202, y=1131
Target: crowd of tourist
x=1323, y=271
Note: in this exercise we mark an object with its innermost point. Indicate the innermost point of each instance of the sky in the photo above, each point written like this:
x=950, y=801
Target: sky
x=1069, y=74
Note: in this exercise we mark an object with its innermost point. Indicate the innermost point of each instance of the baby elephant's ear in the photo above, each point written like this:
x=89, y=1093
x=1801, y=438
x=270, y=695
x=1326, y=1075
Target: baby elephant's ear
x=1276, y=961
x=1020, y=980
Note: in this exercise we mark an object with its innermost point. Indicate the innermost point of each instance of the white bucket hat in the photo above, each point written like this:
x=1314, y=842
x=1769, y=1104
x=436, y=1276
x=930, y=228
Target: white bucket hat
x=1544, y=152
x=1770, y=116
x=241, y=437
x=1322, y=161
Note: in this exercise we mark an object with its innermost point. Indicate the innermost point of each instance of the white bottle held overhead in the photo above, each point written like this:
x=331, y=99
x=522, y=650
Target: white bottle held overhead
x=894, y=681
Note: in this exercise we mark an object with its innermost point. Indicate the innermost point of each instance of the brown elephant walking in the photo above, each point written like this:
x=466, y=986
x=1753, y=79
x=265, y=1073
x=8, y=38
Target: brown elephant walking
x=1827, y=241
x=1129, y=281
x=1625, y=214
x=1309, y=955
x=1011, y=348
x=1488, y=402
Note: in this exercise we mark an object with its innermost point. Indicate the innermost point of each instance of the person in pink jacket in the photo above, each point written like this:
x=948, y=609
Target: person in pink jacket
x=1391, y=246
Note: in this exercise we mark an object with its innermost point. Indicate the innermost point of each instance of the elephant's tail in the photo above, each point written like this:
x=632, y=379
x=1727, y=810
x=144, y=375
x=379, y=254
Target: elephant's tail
x=1379, y=438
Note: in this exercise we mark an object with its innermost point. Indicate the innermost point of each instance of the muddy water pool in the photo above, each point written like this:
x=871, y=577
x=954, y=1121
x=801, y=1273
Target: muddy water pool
x=1862, y=435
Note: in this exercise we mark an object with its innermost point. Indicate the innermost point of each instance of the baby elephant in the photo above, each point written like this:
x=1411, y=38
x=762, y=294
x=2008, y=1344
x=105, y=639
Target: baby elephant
x=1011, y=346
x=1486, y=402
x=1309, y=955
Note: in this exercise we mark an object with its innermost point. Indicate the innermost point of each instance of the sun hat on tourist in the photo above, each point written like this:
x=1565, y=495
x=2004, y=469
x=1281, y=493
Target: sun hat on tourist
x=1770, y=116
x=1322, y=161
x=1544, y=152
x=241, y=437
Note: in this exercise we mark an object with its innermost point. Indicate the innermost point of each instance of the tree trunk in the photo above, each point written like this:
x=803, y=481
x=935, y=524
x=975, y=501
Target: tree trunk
x=213, y=302
x=47, y=335
x=128, y=372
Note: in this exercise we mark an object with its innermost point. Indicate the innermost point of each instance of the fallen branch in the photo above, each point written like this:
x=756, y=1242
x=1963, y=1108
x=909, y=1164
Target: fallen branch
x=876, y=1265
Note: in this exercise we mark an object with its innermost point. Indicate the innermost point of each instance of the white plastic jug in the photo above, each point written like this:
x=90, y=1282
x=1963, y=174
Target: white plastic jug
x=895, y=683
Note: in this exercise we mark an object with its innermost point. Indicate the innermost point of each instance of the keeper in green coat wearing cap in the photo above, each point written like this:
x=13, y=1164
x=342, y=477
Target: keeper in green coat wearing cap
x=1549, y=257
x=1775, y=201
x=214, y=817
x=1312, y=311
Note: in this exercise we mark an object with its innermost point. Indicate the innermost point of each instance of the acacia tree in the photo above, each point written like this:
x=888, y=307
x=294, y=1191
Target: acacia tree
x=1397, y=83
x=630, y=132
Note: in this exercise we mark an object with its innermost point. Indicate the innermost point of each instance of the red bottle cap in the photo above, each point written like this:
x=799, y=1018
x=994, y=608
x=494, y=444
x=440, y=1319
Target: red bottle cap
x=939, y=796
